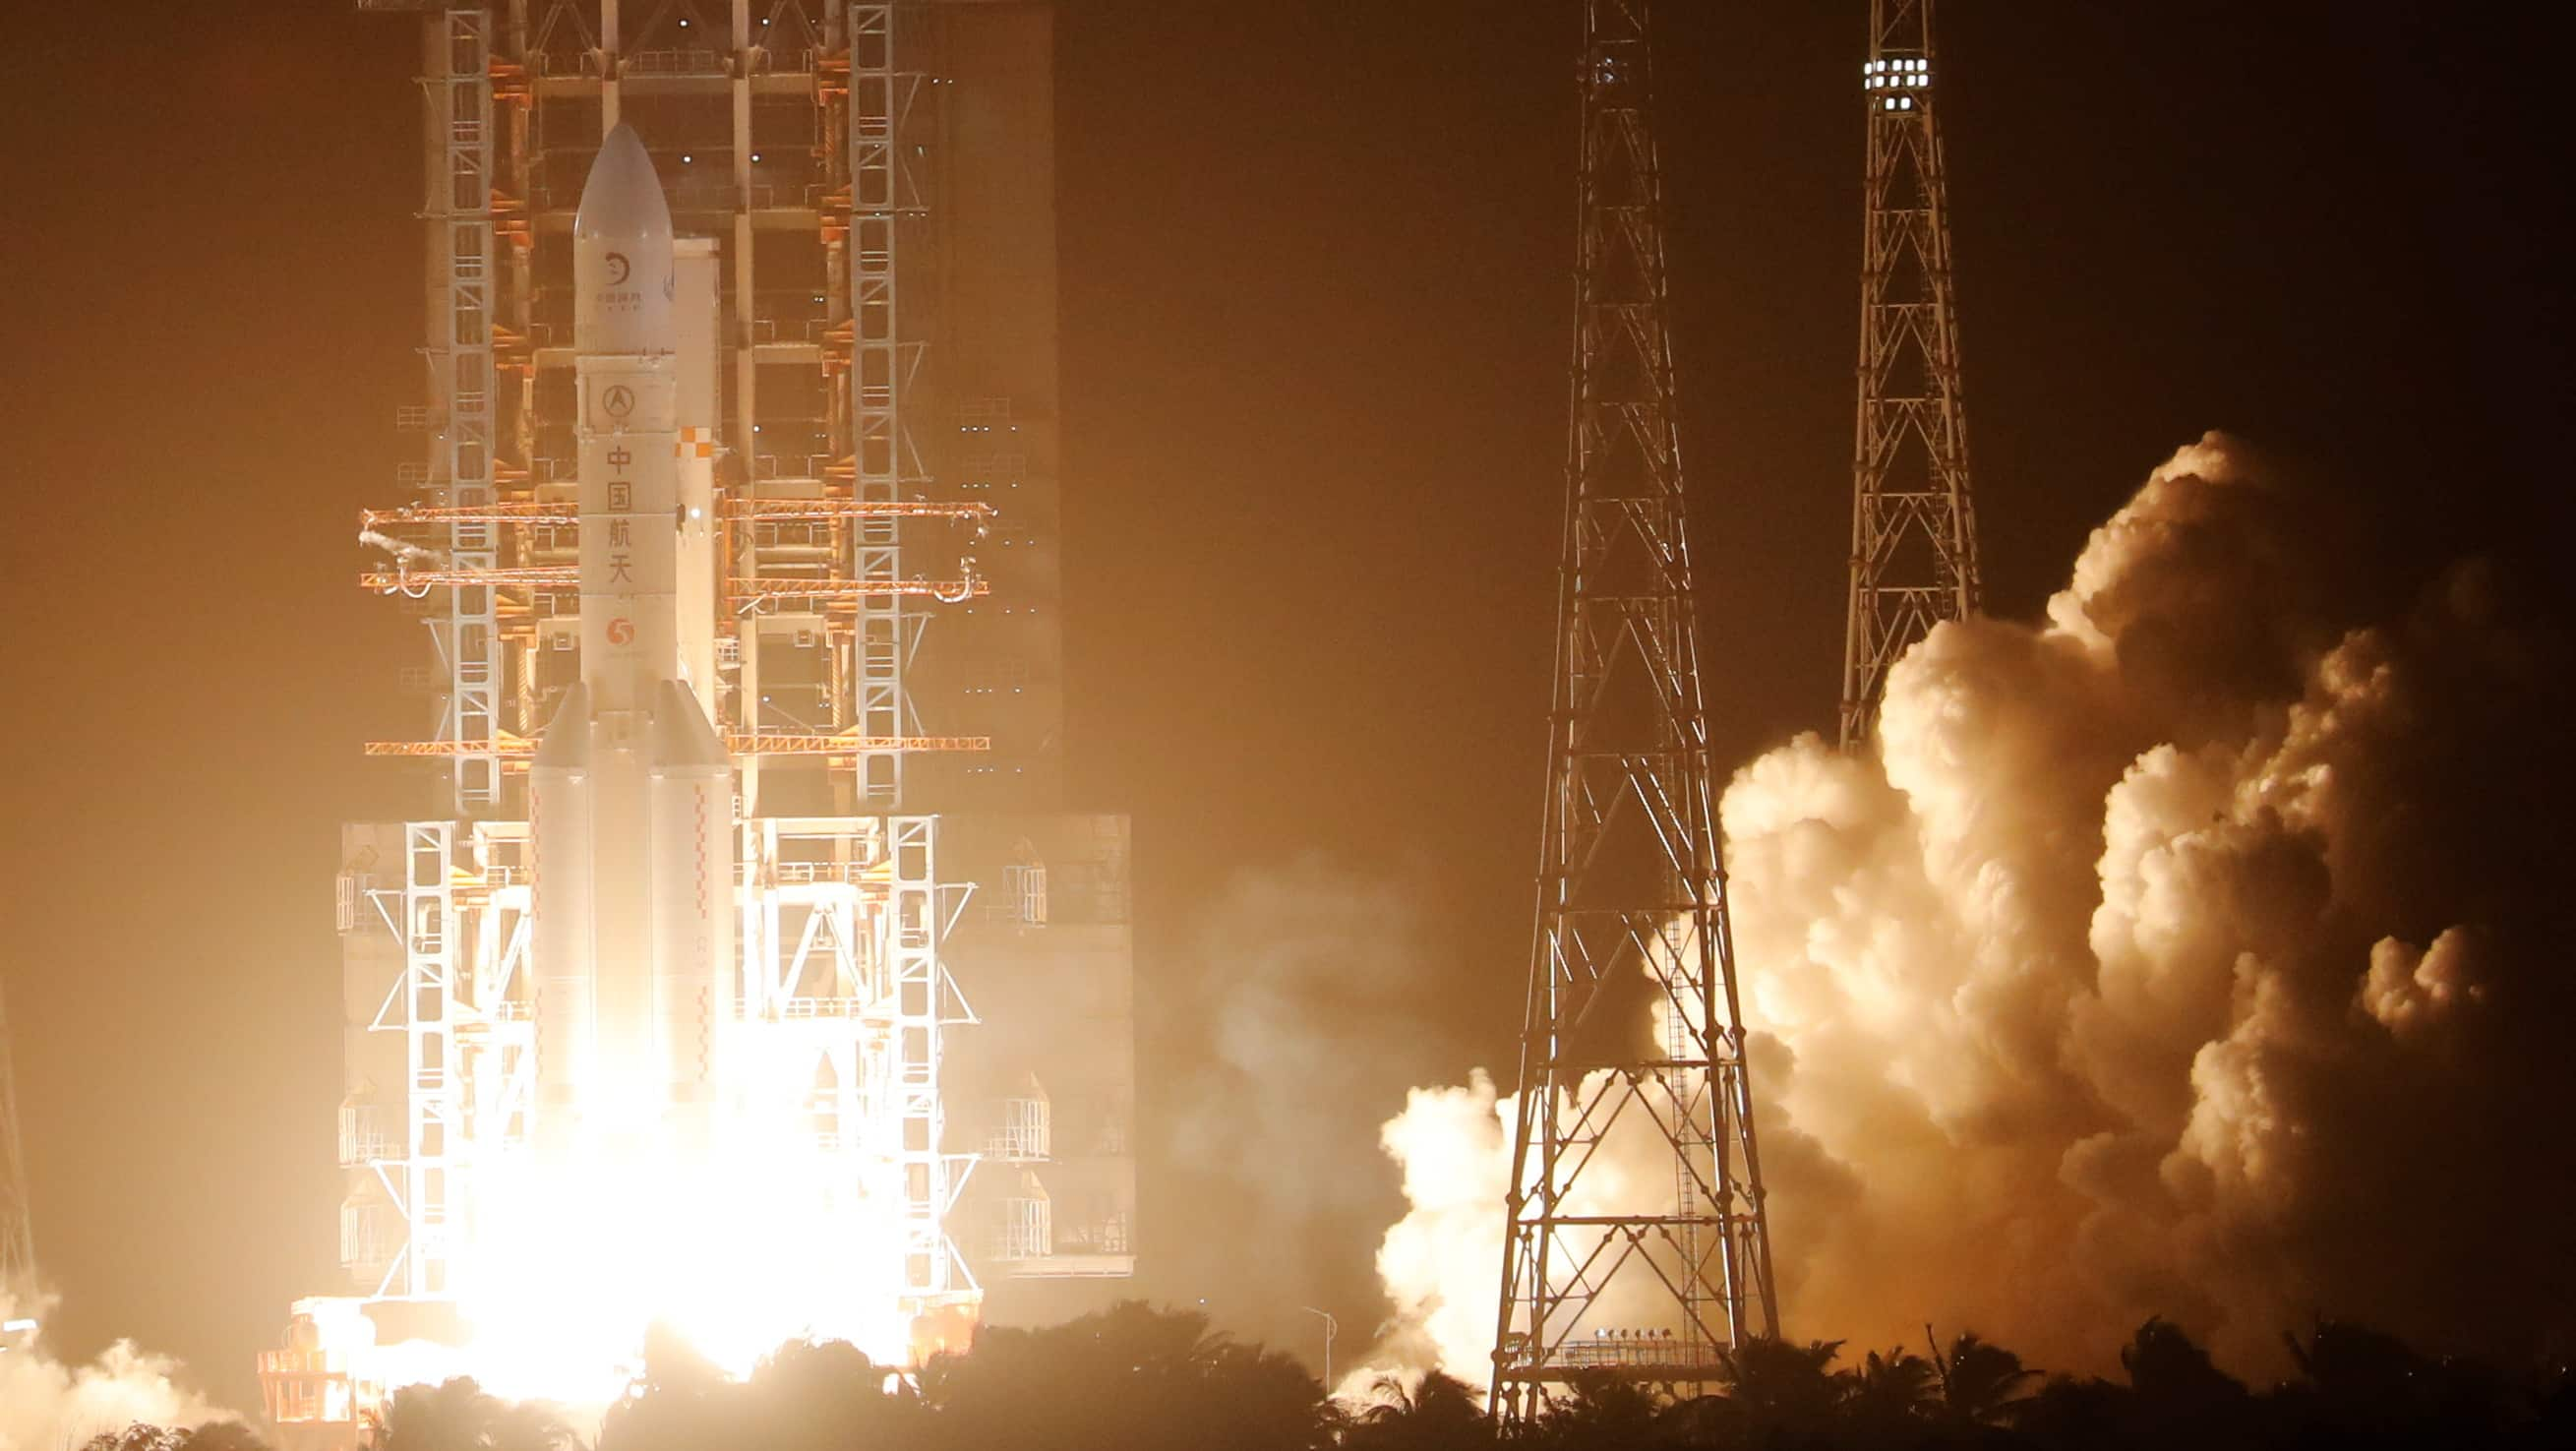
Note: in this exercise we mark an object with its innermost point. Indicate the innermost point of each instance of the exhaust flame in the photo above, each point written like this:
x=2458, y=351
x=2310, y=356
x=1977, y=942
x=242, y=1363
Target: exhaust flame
x=766, y=1239
x=2167, y=957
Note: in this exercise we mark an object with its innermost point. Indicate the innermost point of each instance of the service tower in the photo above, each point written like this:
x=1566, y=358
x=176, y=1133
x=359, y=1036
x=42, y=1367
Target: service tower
x=742, y=833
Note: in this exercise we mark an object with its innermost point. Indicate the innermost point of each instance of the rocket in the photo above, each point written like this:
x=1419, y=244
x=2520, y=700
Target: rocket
x=631, y=794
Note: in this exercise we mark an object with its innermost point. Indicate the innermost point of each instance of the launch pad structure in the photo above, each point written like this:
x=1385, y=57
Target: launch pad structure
x=921, y=934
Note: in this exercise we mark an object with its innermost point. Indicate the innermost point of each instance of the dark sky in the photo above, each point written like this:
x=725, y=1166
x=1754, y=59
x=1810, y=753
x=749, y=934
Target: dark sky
x=1315, y=306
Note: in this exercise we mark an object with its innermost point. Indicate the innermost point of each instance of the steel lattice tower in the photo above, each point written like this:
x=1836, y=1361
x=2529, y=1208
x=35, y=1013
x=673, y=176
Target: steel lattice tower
x=1631, y=892
x=1914, y=526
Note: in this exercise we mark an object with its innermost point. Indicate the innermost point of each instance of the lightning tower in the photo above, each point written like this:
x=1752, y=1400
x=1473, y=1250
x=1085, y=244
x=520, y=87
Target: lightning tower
x=1651, y=1283
x=1914, y=525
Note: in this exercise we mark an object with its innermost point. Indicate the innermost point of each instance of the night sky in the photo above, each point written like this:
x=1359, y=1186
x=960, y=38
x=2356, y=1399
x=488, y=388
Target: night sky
x=1315, y=268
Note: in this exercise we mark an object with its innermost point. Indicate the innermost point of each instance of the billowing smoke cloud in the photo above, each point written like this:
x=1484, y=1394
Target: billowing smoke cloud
x=2186, y=953
x=46, y=1405
x=1323, y=1002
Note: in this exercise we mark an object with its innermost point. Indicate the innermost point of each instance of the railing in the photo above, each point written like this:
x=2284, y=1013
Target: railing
x=1101, y=1237
x=675, y=63
x=802, y=873
x=807, y=1009
x=1628, y=1347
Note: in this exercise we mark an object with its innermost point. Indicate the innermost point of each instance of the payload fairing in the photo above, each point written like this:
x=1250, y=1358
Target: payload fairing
x=632, y=802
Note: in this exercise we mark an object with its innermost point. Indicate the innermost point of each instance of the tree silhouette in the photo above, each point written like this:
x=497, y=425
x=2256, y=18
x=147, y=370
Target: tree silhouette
x=828, y=1396
x=1129, y=1378
x=680, y=1401
x=1782, y=1393
x=1135, y=1378
x=1983, y=1384
x=459, y=1415
x=1599, y=1411
x=1438, y=1413
x=1887, y=1397
x=211, y=1436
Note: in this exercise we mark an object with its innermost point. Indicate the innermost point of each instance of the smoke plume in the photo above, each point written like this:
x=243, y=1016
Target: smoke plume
x=46, y=1405
x=2188, y=952
x=1328, y=1004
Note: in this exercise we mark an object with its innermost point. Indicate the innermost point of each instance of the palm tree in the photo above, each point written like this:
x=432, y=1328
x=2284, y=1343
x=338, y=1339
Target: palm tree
x=1782, y=1389
x=1887, y=1391
x=454, y=1415
x=1439, y=1413
x=2355, y=1381
x=1129, y=1378
x=1983, y=1384
x=1600, y=1409
x=680, y=1402
x=2169, y=1368
x=828, y=1396
x=138, y=1436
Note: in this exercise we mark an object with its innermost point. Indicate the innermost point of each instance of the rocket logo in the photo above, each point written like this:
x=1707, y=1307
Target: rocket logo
x=617, y=401
x=618, y=267
x=621, y=631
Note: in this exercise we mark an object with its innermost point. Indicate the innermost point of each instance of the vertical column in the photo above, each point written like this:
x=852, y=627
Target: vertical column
x=464, y=352
x=879, y=97
x=431, y=1097
x=931, y=1176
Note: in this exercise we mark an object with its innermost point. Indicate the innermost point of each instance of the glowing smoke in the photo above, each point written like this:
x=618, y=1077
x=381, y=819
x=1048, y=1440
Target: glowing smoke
x=46, y=1405
x=2185, y=953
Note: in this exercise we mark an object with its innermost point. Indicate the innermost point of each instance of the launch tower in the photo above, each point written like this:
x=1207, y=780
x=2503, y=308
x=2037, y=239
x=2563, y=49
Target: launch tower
x=1647, y=1282
x=1914, y=524
x=921, y=936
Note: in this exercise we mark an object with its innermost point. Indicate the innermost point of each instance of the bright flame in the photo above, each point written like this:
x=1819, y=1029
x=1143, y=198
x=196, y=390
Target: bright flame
x=773, y=1234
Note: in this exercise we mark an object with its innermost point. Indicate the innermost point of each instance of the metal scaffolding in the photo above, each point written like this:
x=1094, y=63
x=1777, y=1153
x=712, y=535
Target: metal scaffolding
x=461, y=355
x=787, y=130
x=1631, y=893
x=1914, y=525
x=817, y=186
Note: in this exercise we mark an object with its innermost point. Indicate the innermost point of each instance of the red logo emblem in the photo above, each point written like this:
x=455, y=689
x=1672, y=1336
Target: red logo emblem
x=621, y=631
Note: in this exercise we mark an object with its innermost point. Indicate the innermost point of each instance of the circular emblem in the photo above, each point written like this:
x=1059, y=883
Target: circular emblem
x=618, y=267
x=618, y=401
x=621, y=631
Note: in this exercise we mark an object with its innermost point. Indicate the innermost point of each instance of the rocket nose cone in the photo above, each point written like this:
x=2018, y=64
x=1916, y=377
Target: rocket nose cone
x=623, y=197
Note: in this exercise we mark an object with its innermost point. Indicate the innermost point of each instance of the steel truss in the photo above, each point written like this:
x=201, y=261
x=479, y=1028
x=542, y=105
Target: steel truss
x=843, y=969
x=461, y=357
x=821, y=513
x=845, y=996
x=1914, y=526
x=843, y=919
x=1631, y=892
x=886, y=203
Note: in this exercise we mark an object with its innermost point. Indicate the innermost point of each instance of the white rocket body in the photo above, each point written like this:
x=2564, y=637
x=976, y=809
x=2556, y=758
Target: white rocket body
x=631, y=812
